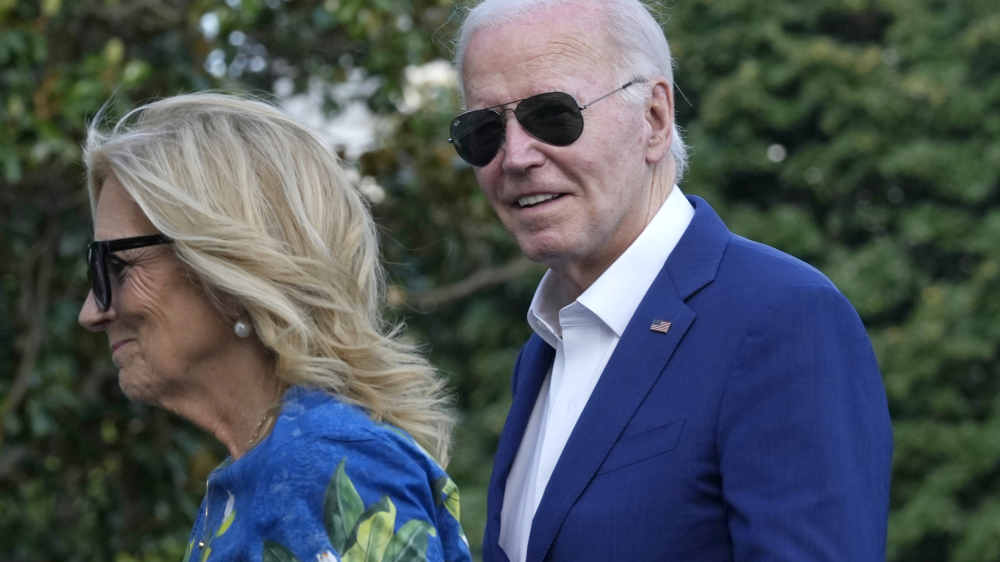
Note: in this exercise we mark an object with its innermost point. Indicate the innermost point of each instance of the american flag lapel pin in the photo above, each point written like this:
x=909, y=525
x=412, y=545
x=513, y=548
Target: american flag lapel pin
x=661, y=326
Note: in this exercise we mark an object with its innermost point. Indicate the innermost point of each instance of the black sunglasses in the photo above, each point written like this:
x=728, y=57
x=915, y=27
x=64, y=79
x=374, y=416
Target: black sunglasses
x=97, y=262
x=553, y=118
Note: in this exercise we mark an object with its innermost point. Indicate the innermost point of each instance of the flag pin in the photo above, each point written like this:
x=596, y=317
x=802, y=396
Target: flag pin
x=661, y=326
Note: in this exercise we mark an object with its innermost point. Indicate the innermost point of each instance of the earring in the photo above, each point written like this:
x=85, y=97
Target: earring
x=241, y=328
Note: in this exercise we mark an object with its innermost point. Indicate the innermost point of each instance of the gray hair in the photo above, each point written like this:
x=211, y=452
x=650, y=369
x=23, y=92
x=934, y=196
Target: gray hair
x=641, y=49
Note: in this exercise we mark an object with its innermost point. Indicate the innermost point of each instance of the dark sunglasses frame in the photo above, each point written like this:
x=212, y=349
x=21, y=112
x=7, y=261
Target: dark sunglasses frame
x=563, y=133
x=97, y=262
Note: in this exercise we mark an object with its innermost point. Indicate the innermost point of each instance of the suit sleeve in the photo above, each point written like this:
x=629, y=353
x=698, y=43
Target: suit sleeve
x=805, y=442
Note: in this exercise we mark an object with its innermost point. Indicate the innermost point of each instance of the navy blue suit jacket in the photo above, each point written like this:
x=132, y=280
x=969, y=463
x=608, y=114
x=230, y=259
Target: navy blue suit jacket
x=755, y=429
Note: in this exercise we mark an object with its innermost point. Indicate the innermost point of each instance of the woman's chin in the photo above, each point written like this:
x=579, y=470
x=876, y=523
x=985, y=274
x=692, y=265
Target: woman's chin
x=135, y=390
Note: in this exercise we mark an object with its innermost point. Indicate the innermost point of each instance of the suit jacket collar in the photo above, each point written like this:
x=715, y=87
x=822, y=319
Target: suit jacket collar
x=638, y=360
x=695, y=261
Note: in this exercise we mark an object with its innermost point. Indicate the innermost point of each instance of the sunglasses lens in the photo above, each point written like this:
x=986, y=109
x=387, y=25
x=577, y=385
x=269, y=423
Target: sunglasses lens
x=98, y=278
x=553, y=118
x=477, y=136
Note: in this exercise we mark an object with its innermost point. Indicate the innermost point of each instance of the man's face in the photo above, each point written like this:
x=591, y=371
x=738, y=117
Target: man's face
x=596, y=191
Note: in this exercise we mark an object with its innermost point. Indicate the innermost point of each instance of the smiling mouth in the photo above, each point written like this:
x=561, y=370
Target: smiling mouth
x=116, y=346
x=533, y=200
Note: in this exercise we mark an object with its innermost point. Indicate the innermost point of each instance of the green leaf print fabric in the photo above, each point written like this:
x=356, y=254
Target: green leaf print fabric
x=329, y=484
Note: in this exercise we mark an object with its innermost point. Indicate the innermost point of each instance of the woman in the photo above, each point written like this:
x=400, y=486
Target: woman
x=236, y=274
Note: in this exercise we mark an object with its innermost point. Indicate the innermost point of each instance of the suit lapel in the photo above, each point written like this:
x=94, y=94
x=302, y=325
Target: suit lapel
x=529, y=374
x=637, y=362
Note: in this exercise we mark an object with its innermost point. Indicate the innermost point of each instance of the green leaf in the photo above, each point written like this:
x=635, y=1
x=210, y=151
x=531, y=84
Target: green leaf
x=342, y=506
x=372, y=533
x=446, y=493
x=275, y=552
x=410, y=543
x=226, y=523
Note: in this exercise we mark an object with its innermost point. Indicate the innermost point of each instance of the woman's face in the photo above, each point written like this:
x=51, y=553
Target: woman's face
x=165, y=334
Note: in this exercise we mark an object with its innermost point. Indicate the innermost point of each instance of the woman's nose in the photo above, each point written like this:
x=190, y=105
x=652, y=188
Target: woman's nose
x=91, y=317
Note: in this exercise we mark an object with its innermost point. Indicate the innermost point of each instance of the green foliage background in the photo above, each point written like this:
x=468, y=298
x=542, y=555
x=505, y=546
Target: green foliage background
x=862, y=136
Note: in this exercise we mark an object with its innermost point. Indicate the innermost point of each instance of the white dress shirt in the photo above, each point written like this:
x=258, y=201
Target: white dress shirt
x=584, y=334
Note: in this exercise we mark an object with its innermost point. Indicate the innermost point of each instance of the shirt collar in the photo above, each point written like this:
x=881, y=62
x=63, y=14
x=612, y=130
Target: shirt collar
x=616, y=294
x=543, y=314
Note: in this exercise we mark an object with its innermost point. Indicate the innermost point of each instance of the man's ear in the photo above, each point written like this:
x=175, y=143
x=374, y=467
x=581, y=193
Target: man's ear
x=660, y=118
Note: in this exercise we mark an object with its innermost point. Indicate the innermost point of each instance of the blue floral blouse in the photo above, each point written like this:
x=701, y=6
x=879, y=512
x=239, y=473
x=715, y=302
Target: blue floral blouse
x=329, y=484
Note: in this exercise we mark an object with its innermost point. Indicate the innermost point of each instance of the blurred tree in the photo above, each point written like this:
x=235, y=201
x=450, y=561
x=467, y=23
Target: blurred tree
x=860, y=135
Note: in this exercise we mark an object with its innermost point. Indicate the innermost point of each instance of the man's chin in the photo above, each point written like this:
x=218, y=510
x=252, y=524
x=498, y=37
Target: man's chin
x=544, y=249
x=544, y=256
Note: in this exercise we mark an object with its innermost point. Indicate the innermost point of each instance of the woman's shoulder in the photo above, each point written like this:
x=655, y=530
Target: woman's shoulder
x=327, y=474
x=316, y=419
x=315, y=413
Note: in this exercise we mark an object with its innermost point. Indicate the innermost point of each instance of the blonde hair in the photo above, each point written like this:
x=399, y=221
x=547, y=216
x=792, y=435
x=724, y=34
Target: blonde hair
x=263, y=214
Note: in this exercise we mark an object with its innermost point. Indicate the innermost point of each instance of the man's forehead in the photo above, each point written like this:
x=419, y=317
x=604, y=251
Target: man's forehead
x=571, y=29
x=573, y=46
x=537, y=45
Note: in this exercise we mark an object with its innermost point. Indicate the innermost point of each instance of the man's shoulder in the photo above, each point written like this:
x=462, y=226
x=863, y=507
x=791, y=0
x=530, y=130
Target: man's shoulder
x=711, y=260
x=756, y=267
x=755, y=281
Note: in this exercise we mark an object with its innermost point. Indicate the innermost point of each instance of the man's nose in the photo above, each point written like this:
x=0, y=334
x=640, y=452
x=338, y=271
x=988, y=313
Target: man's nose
x=92, y=318
x=520, y=149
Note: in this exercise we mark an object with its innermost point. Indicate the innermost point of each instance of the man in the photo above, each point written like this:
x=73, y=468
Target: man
x=688, y=395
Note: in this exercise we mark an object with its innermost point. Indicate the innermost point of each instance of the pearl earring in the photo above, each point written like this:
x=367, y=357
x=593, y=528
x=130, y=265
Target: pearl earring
x=241, y=328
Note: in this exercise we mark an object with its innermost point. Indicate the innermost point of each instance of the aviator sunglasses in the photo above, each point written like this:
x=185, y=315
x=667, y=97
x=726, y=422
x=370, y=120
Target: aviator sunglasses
x=98, y=255
x=553, y=118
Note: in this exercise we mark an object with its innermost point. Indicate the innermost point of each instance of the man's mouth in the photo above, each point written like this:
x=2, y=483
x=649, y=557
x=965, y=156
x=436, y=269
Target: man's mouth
x=532, y=200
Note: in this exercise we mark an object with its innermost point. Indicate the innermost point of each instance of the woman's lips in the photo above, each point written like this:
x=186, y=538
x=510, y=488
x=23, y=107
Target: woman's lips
x=117, y=345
